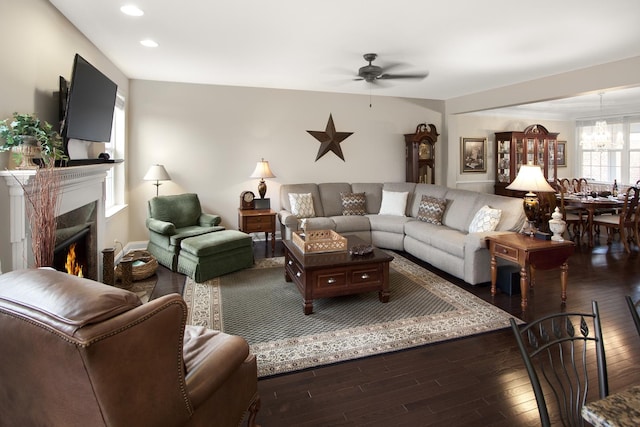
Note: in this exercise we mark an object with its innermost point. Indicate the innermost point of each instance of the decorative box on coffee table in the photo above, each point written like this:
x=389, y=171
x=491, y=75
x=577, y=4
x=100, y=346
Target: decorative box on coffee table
x=331, y=274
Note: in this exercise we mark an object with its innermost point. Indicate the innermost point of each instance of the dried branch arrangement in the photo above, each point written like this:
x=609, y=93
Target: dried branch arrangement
x=42, y=197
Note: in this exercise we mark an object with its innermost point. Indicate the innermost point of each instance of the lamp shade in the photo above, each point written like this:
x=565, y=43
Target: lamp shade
x=262, y=170
x=157, y=173
x=531, y=179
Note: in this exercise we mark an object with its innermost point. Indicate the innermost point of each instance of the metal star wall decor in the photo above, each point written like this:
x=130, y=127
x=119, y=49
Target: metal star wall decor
x=330, y=139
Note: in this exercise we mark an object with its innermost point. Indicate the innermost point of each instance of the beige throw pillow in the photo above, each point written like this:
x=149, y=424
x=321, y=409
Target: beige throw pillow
x=486, y=219
x=302, y=205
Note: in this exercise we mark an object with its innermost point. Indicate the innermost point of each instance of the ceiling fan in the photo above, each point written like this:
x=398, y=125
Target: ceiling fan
x=371, y=73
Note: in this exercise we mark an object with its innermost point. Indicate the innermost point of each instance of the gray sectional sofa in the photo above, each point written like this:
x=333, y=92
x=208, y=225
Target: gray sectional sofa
x=449, y=247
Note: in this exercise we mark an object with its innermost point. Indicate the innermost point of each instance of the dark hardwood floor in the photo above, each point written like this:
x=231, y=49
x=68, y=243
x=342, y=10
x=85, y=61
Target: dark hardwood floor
x=476, y=381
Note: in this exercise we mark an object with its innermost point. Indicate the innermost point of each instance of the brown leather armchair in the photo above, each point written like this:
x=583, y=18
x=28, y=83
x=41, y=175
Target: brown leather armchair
x=74, y=352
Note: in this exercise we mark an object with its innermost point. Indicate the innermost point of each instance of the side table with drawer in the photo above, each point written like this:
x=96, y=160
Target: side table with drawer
x=257, y=221
x=530, y=254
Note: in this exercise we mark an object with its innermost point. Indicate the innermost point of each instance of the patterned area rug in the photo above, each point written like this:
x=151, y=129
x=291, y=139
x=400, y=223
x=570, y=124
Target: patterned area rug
x=259, y=305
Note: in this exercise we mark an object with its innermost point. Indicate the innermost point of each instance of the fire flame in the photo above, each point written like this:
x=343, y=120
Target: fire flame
x=71, y=264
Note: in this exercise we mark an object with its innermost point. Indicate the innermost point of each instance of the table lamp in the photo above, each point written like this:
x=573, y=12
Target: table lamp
x=262, y=171
x=531, y=180
x=157, y=173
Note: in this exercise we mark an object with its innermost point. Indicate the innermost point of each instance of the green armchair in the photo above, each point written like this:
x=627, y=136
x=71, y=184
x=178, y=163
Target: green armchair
x=172, y=219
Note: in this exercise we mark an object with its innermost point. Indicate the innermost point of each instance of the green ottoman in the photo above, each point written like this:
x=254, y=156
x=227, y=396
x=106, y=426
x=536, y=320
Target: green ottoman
x=214, y=254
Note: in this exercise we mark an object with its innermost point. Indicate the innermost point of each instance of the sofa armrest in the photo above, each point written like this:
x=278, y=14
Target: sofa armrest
x=208, y=220
x=288, y=219
x=161, y=227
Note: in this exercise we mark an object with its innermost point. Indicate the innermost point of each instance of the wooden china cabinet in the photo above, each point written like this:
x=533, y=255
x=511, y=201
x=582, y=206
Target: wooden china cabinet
x=421, y=154
x=534, y=145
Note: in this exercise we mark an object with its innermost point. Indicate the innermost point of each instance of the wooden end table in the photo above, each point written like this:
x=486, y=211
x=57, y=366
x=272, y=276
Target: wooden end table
x=257, y=221
x=330, y=274
x=530, y=254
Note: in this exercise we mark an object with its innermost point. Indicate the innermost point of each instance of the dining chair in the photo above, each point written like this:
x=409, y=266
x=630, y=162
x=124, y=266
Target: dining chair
x=566, y=184
x=579, y=184
x=625, y=222
x=634, y=312
x=559, y=351
x=574, y=217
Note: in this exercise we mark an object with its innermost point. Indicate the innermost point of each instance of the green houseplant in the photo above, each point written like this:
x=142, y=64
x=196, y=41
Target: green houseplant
x=26, y=136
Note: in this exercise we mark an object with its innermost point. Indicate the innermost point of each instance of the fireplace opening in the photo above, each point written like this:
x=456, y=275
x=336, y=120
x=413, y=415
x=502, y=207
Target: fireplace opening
x=76, y=235
x=71, y=255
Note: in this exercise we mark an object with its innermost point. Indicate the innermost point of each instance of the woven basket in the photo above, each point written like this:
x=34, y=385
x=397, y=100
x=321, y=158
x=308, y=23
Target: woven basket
x=141, y=271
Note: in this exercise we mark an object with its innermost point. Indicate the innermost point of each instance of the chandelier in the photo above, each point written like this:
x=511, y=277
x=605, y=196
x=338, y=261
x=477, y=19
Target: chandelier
x=599, y=138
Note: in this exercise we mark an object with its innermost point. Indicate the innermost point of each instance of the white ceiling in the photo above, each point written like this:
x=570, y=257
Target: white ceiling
x=466, y=46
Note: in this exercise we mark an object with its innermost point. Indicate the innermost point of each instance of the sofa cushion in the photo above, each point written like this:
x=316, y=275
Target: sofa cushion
x=373, y=195
x=431, y=209
x=319, y=223
x=486, y=219
x=353, y=203
x=393, y=203
x=302, y=205
x=351, y=223
x=448, y=240
x=389, y=223
x=330, y=197
x=460, y=209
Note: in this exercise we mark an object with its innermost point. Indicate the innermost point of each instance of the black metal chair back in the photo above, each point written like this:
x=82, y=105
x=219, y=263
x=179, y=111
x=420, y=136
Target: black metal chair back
x=559, y=351
x=634, y=312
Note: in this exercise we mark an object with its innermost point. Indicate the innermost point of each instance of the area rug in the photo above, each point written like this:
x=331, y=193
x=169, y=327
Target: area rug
x=259, y=305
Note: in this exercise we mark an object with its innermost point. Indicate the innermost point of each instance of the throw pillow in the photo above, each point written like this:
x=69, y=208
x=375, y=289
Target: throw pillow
x=431, y=209
x=302, y=205
x=486, y=219
x=393, y=203
x=353, y=203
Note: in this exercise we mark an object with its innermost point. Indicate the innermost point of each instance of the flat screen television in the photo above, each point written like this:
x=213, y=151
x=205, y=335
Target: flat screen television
x=88, y=114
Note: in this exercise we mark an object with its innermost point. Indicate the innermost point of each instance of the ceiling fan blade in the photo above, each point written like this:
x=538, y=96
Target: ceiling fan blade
x=403, y=76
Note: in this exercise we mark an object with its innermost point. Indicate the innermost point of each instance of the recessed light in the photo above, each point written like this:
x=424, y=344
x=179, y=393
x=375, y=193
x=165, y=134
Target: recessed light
x=131, y=10
x=148, y=43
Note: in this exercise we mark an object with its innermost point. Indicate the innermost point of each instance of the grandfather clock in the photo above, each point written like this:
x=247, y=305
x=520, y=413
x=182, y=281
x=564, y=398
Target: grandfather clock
x=421, y=154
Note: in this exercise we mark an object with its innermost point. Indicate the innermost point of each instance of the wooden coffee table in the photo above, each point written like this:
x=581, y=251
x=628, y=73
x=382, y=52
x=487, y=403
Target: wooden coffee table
x=330, y=274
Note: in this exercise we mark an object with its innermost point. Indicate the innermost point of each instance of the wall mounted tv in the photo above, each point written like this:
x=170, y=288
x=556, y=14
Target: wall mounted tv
x=88, y=115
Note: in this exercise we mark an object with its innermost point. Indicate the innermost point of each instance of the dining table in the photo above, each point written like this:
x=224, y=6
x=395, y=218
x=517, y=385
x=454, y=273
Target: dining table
x=592, y=205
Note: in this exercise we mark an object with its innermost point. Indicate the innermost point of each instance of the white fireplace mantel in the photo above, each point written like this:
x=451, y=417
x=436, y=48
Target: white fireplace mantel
x=80, y=185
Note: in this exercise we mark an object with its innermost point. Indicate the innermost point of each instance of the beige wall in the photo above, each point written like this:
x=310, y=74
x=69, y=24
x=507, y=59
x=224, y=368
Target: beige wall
x=210, y=137
x=39, y=46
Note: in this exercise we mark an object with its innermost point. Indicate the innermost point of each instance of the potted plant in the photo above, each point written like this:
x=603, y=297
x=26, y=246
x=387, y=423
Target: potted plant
x=26, y=136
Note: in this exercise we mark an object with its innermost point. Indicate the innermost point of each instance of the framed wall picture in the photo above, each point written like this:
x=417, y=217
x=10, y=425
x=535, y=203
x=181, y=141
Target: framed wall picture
x=473, y=154
x=562, y=154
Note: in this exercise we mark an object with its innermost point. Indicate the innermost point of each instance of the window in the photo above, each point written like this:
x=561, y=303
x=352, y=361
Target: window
x=115, y=148
x=622, y=162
